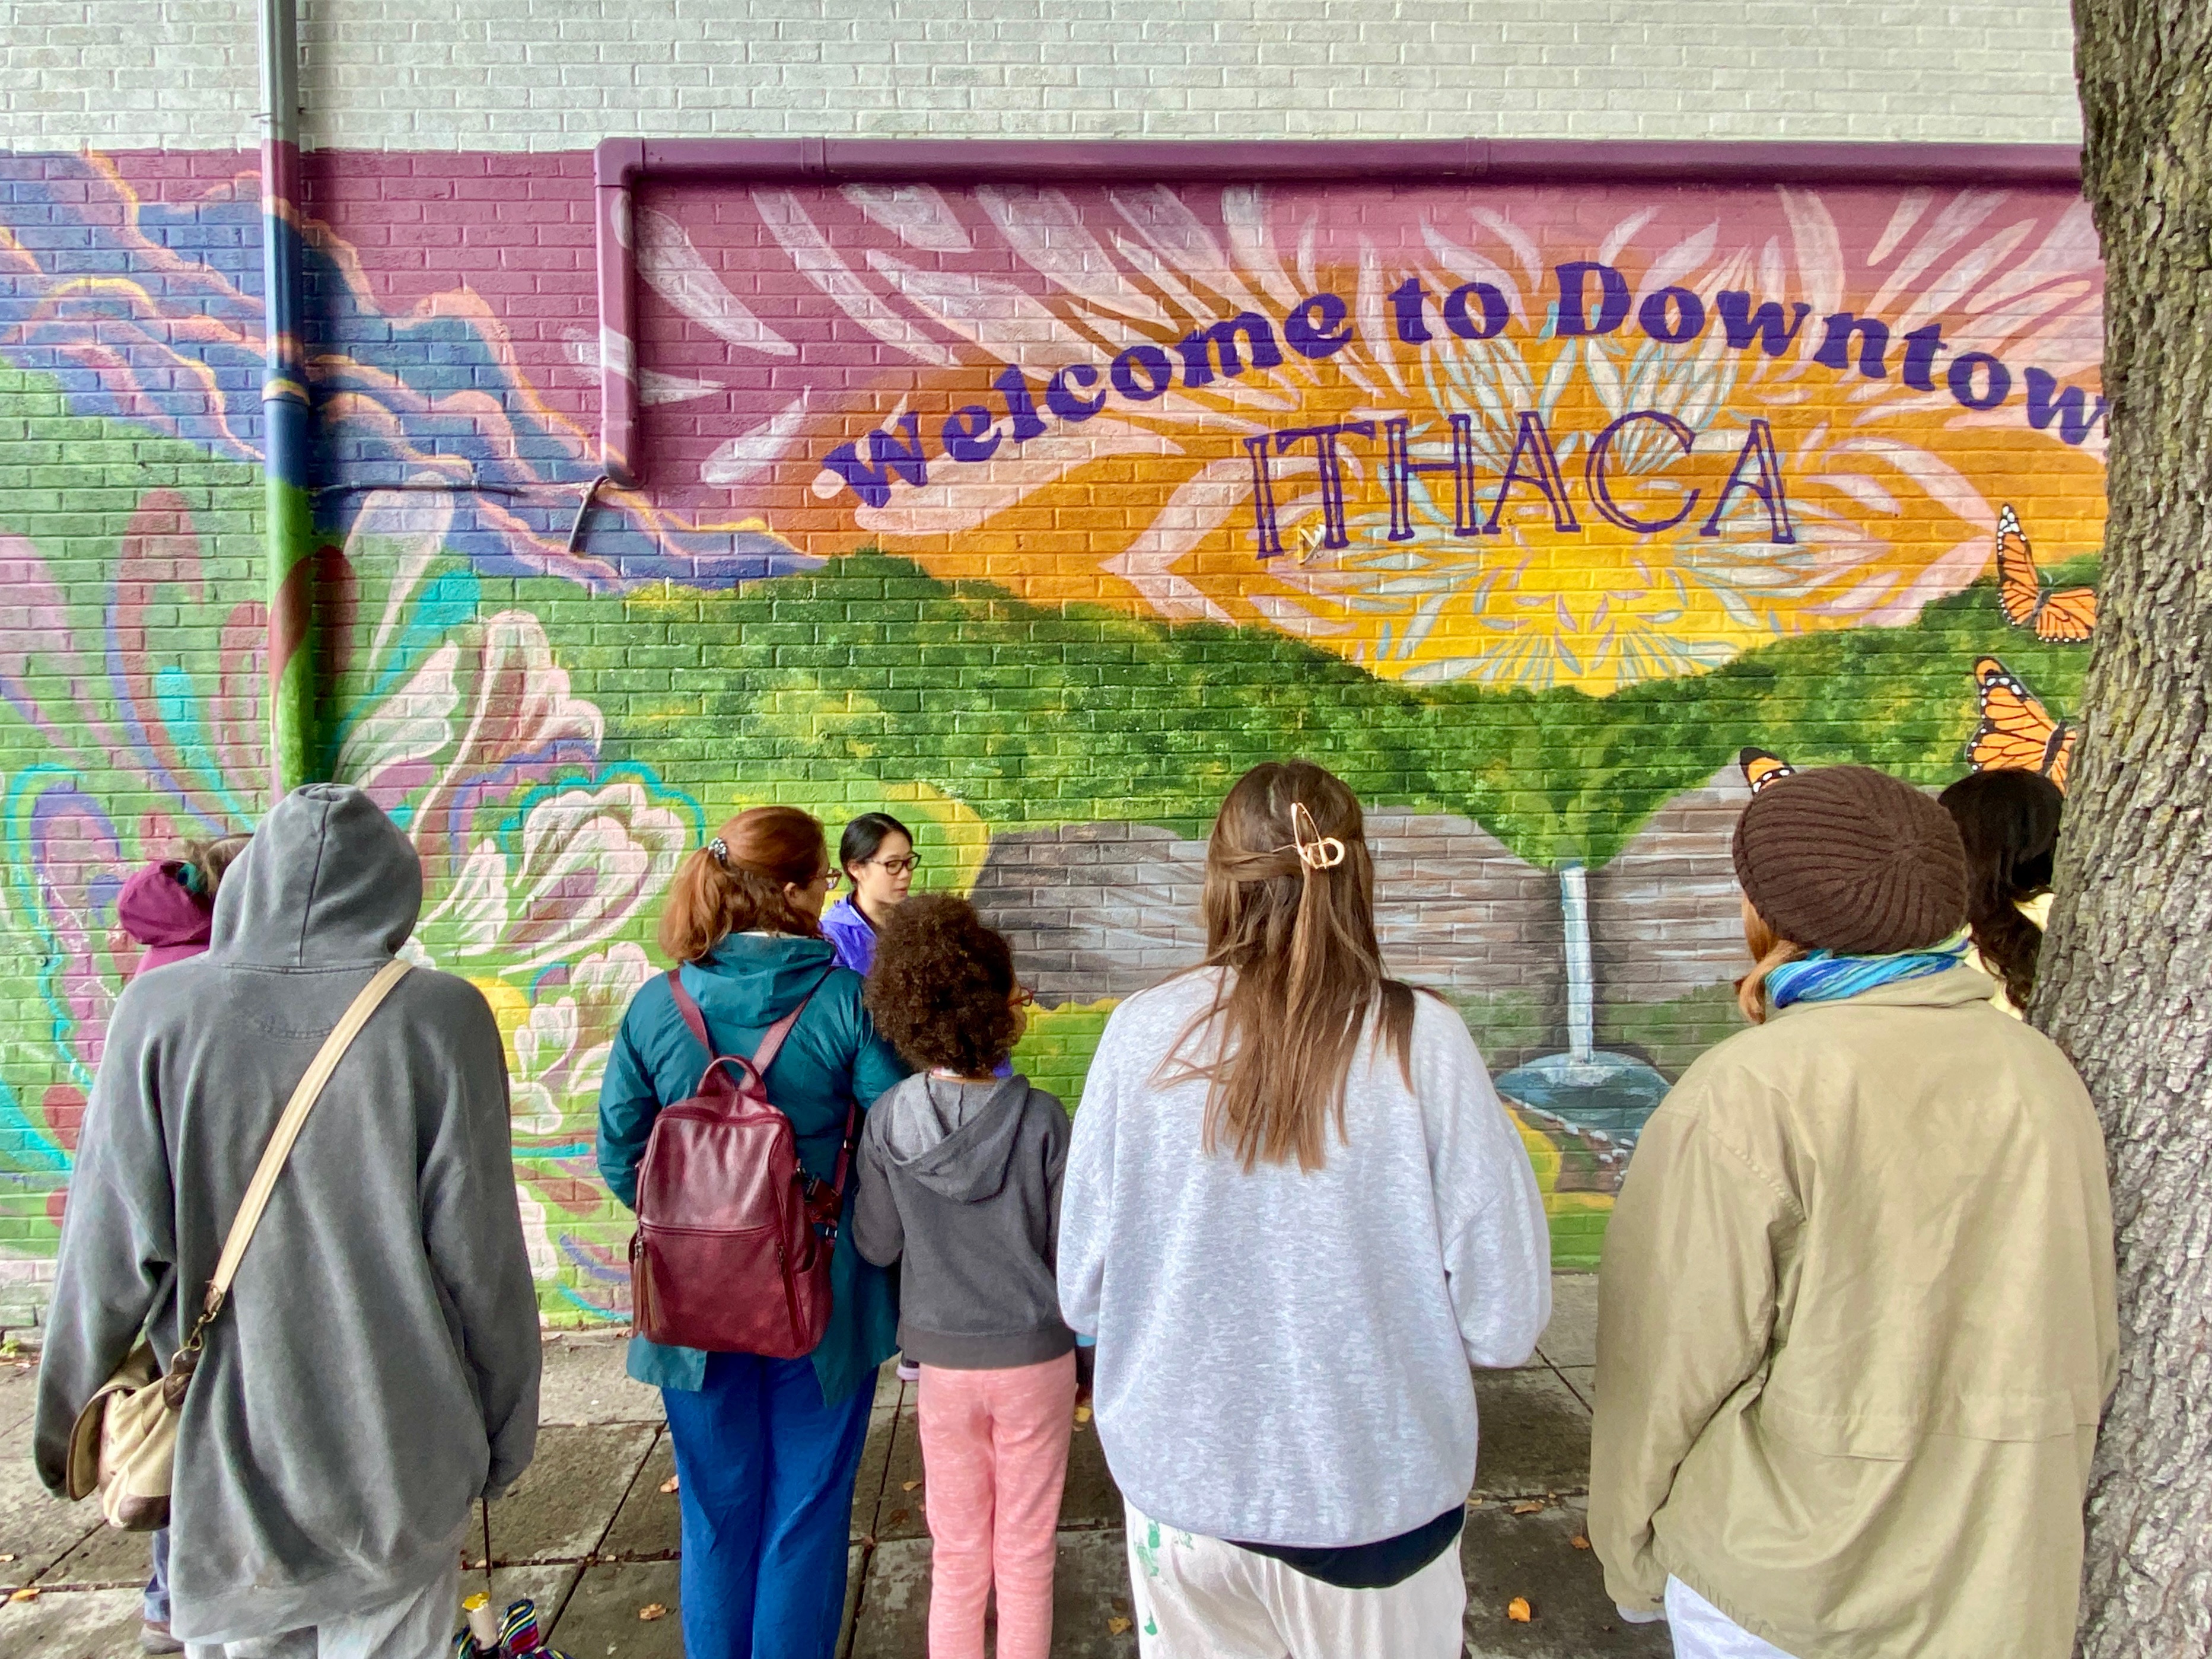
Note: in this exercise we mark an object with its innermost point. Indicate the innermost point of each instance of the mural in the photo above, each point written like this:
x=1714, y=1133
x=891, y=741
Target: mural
x=1033, y=516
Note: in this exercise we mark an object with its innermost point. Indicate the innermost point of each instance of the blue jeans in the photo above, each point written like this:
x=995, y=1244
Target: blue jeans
x=156, y=1603
x=765, y=1474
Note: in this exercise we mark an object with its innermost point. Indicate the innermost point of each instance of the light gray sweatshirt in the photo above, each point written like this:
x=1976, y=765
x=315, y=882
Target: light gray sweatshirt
x=376, y=1369
x=1283, y=1356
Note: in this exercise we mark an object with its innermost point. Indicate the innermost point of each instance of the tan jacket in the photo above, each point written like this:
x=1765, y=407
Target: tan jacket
x=1855, y=1325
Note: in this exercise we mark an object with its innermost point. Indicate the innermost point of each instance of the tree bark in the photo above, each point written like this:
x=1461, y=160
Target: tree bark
x=2126, y=982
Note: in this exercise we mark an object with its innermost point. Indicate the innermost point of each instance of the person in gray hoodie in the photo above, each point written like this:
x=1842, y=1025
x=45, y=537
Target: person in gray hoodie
x=959, y=1174
x=375, y=1369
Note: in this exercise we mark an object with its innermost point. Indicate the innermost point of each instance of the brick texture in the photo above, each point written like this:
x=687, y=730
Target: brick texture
x=1051, y=659
x=562, y=73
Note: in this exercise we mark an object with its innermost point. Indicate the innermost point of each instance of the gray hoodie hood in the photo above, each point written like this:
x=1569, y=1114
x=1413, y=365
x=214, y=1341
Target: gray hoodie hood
x=956, y=1139
x=327, y=881
x=961, y=1182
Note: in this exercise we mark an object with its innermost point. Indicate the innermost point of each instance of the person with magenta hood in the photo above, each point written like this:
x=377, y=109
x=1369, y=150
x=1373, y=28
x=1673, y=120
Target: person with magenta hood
x=374, y=1369
x=167, y=908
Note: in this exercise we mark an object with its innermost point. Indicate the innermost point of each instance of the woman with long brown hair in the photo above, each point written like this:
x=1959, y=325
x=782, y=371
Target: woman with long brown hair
x=1294, y=1213
x=767, y=1450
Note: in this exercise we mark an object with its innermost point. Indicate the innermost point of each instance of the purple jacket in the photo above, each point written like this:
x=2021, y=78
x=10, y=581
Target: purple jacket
x=851, y=934
x=158, y=910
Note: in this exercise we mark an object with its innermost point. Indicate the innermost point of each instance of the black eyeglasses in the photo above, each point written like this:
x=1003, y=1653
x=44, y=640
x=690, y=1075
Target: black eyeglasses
x=903, y=866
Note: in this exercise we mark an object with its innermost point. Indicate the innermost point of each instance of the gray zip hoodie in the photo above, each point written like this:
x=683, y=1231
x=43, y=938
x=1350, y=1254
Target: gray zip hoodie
x=376, y=1369
x=963, y=1179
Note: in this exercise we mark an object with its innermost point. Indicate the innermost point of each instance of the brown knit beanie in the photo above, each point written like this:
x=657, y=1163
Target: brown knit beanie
x=1851, y=860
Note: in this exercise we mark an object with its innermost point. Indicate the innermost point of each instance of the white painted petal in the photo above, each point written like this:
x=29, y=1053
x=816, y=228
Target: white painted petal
x=675, y=269
x=750, y=454
x=654, y=388
x=1044, y=227
x=822, y=265
x=1003, y=320
x=916, y=214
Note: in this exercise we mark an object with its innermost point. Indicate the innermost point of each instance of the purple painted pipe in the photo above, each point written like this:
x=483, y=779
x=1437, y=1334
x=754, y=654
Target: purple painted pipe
x=620, y=164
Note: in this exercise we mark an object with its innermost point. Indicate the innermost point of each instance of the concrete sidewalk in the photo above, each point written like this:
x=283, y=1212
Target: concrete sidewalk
x=590, y=1534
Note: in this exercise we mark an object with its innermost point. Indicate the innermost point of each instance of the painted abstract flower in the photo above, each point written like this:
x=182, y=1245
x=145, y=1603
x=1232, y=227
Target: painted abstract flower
x=539, y=854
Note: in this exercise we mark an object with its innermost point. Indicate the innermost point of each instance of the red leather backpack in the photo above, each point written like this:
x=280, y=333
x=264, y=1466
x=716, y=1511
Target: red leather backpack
x=733, y=1241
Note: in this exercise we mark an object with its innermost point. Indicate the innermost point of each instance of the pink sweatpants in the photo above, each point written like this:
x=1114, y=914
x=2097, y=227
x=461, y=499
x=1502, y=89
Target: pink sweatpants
x=994, y=1458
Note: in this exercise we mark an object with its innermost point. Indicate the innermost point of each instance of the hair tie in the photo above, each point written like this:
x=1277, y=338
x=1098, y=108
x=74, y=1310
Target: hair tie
x=720, y=849
x=1314, y=850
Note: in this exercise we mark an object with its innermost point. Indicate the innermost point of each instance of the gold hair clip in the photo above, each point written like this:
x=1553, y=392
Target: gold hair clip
x=720, y=849
x=1314, y=850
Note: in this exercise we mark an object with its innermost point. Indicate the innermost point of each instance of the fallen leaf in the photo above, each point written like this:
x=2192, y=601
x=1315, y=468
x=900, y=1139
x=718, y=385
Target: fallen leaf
x=1083, y=1413
x=1534, y=1506
x=908, y=1485
x=651, y=1611
x=28, y=1593
x=669, y=1484
x=1579, y=1541
x=1117, y=1626
x=1519, y=1611
x=898, y=1515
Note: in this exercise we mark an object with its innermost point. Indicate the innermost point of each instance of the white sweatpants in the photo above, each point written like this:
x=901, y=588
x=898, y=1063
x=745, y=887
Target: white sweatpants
x=417, y=1626
x=1702, y=1630
x=1199, y=1598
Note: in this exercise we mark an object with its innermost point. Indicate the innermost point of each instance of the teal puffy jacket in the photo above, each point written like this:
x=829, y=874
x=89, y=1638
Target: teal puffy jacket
x=832, y=1058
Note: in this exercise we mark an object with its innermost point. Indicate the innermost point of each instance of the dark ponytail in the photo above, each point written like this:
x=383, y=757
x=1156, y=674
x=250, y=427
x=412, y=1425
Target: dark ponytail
x=2008, y=821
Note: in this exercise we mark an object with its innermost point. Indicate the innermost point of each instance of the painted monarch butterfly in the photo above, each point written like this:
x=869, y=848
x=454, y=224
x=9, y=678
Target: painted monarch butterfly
x=1762, y=766
x=2017, y=732
x=2062, y=616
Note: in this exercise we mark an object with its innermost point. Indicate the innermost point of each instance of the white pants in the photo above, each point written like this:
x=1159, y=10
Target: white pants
x=1702, y=1630
x=418, y=1625
x=1199, y=1598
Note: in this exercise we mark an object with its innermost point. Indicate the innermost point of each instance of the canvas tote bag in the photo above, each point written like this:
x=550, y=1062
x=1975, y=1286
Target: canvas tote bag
x=124, y=1443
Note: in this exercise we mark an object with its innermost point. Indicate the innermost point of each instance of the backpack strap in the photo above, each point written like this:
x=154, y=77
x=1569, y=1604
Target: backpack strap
x=825, y=1200
x=772, y=1039
x=771, y=1043
x=689, y=1009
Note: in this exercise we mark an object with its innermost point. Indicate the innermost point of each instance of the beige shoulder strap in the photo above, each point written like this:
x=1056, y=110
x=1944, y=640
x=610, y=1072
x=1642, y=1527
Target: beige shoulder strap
x=279, y=1149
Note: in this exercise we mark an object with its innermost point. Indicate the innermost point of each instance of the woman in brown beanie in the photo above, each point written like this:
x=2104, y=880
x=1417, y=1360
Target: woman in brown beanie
x=1855, y=1321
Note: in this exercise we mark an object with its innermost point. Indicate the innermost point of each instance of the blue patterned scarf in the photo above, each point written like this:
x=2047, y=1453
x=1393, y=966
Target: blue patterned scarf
x=1824, y=976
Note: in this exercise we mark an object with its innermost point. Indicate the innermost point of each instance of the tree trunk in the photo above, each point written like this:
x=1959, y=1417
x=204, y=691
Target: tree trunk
x=2126, y=982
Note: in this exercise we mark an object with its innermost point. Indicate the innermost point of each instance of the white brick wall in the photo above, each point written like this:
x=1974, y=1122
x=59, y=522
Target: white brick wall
x=562, y=73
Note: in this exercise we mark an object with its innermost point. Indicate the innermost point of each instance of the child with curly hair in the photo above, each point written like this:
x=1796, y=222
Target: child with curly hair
x=959, y=1174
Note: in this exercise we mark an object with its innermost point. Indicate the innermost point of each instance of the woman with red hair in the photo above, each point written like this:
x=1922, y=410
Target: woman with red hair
x=767, y=1450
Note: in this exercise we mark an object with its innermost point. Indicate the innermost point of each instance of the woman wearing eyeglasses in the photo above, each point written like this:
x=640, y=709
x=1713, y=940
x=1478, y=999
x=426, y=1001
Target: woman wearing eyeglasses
x=766, y=1450
x=876, y=853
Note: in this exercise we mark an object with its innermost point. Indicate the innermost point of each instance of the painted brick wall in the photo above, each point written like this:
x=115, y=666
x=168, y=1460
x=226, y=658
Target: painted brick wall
x=562, y=73
x=1053, y=660
x=1050, y=660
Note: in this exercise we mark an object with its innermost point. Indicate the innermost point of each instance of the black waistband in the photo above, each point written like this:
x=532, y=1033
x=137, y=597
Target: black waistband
x=1378, y=1565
